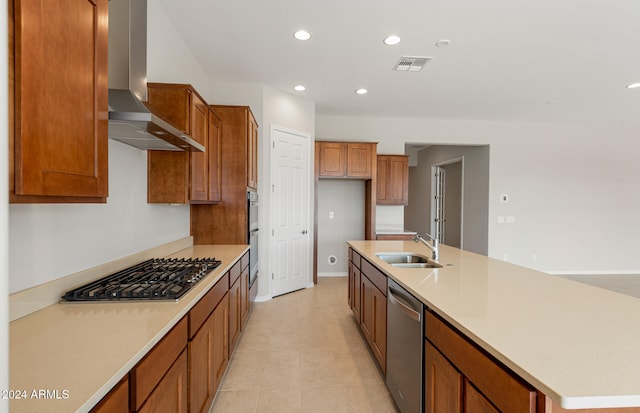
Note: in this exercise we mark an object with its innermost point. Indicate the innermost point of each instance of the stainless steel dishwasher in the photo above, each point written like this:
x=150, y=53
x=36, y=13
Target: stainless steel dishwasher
x=405, y=342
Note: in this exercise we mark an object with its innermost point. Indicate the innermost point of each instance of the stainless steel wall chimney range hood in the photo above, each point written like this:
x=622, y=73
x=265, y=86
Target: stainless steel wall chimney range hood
x=130, y=120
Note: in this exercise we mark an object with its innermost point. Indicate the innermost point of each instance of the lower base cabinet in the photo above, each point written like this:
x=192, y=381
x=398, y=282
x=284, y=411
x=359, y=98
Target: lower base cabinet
x=208, y=358
x=117, y=400
x=170, y=396
x=462, y=378
x=183, y=372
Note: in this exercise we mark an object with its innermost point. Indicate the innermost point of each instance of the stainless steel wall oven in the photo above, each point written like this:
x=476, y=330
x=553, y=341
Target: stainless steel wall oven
x=252, y=236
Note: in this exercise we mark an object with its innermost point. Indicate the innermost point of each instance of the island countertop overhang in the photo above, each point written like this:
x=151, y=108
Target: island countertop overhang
x=573, y=342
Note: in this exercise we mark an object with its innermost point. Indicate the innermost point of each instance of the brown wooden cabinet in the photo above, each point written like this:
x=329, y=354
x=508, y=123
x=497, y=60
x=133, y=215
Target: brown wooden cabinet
x=116, y=401
x=393, y=180
x=183, y=177
x=220, y=340
x=354, y=296
x=235, y=320
x=208, y=345
x=58, y=127
x=373, y=310
x=252, y=157
x=227, y=222
x=170, y=396
x=159, y=380
x=443, y=383
x=345, y=160
x=455, y=366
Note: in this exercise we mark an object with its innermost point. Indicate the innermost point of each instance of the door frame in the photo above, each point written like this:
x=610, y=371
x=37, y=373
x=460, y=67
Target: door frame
x=433, y=206
x=310, y=203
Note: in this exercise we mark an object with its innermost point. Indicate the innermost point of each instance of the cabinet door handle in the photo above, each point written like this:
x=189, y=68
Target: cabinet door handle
x=304, y=231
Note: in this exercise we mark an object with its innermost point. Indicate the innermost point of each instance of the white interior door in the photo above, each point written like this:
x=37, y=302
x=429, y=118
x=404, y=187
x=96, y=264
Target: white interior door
x=290, y=206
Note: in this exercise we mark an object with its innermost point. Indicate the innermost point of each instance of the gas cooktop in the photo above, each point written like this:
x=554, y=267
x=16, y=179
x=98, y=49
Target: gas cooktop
x=154, y=279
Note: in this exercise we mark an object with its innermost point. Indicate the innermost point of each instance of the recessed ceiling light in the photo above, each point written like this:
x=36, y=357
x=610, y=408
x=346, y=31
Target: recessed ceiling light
x=633, y=85
x=300, y=88
x=302, y=35
x=443, y=43
x=362, y=91
x=392, y=40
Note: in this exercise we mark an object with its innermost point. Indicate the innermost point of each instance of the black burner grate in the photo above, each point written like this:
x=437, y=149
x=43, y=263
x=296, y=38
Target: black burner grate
x=154, y=279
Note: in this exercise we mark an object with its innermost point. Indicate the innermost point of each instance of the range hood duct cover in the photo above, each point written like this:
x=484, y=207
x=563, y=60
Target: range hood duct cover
x=130, y=120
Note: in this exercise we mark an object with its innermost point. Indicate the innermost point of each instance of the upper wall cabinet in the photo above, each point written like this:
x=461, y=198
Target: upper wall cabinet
x=185, y=177
x=393, y=180
x=58, y=105
x=346, y=160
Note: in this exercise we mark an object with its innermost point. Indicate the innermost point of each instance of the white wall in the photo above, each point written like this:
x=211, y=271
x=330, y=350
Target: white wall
x=50, y=241
x=475, y=197
x=169, y=59
x=573, y=189
x=4, y=212
x=270, y=107
x=54, y=240
x=293, y=113
x=345, y=199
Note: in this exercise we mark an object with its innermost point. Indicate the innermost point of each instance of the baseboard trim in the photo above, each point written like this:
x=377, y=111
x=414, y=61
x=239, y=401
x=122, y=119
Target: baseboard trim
x=333, y=274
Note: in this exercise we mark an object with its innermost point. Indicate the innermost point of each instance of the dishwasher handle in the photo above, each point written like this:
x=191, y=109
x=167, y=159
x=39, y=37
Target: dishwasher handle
x=405, y=308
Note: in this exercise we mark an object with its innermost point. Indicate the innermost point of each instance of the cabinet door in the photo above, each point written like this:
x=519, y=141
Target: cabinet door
x=116, y=401
x=379, y=333
x=234, y=314
x=393, y=180
x=442, y=383
x=199, y=114
x=252, y=152
x=357, y=293
x=244, y=296
x=220, y=340
x=359, y=160
x=213, y=157
x=201, y=368
x=350, y=285
x=59, y=101
x=474, y=402
x=366, y=307
x=333, y=159
x=171, y=394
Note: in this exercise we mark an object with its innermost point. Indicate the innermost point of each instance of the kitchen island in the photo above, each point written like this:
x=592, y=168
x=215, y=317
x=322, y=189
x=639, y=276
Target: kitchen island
x=576, y=344
x=67, y=356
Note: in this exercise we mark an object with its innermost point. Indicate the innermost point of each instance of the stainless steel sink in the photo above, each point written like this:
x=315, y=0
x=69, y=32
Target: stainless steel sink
x=407, y=260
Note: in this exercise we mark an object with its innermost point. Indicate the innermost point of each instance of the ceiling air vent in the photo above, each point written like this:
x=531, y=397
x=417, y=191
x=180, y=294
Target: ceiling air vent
x=411, y=63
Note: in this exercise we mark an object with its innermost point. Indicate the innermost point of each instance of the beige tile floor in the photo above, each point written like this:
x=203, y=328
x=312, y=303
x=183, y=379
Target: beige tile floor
x=303, y=352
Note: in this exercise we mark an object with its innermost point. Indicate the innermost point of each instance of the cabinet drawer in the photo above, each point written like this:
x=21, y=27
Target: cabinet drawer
x=234, y=272
x=376, y=276
x=355, y=258
x=117, y=400
x=244, y=261
x=148, y=373
x=171, y=394
x=507, y=391
x=207, y=304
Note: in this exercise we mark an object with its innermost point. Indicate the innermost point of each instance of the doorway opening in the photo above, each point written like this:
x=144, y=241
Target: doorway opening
x=447, y=202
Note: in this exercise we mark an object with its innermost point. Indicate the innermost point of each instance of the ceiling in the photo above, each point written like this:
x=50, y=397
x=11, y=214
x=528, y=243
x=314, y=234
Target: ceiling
x=521, y=60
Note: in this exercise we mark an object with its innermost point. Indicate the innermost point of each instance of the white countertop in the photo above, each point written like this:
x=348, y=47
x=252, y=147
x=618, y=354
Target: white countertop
x=84, y=349
x=578, y=344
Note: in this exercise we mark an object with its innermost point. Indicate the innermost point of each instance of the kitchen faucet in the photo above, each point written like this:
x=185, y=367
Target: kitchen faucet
x=433, y=246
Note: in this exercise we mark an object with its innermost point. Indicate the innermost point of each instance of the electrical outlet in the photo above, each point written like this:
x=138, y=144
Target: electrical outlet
x=504, y=198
